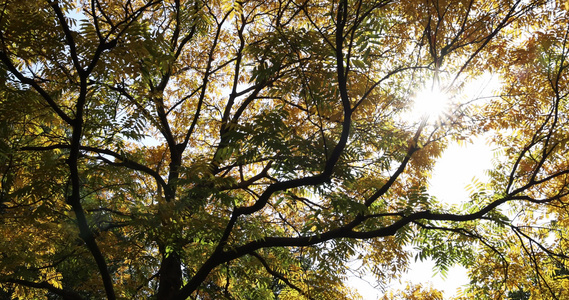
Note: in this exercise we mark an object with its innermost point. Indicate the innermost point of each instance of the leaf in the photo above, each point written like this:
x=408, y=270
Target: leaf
x=268, y=149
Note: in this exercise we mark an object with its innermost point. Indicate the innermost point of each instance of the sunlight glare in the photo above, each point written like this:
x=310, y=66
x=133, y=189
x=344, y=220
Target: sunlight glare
x=430, y=103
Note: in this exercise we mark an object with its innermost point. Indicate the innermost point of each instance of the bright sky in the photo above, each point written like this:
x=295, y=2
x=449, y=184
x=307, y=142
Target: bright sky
x=457, y=167
x=455, y=170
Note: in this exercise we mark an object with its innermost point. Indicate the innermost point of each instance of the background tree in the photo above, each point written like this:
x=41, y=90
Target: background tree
x=251, y=149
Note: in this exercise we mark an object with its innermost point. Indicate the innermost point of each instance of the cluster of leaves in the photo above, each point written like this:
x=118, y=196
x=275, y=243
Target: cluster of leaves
x=217, y=149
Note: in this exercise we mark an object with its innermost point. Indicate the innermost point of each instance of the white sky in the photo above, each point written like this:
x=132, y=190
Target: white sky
x=453, y=172
x=455, y=169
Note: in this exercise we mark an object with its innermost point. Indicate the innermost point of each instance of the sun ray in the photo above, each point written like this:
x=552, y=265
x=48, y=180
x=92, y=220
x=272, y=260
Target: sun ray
x=430, y=102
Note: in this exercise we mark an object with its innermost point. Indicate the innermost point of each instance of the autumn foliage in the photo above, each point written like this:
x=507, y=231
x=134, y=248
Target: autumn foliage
x=253, y=149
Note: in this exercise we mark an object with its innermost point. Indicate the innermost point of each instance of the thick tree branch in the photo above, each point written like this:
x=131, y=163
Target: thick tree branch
x=64, y=293
x=121, y=160
x=43, y=93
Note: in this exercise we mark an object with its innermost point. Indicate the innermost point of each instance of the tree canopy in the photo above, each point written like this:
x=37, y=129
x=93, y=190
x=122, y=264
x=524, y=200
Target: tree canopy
x=252, y=149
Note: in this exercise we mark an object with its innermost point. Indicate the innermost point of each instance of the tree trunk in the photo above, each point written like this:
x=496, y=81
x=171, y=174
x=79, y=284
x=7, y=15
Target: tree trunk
x=170, y=276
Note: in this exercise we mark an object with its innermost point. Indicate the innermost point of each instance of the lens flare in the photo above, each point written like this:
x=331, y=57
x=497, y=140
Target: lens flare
x=430, y=103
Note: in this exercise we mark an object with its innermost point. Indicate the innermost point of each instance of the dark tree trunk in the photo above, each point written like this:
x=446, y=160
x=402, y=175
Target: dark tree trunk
x=170, y=276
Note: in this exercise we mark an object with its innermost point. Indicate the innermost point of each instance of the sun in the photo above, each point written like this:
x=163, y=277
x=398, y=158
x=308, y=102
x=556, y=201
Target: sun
x=430, y=103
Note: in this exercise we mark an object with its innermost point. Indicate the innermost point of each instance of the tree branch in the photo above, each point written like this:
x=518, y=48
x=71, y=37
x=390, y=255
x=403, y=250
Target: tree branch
x=64, y=293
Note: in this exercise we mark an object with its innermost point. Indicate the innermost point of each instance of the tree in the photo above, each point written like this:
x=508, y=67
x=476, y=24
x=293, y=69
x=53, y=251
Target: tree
x=251, y=149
